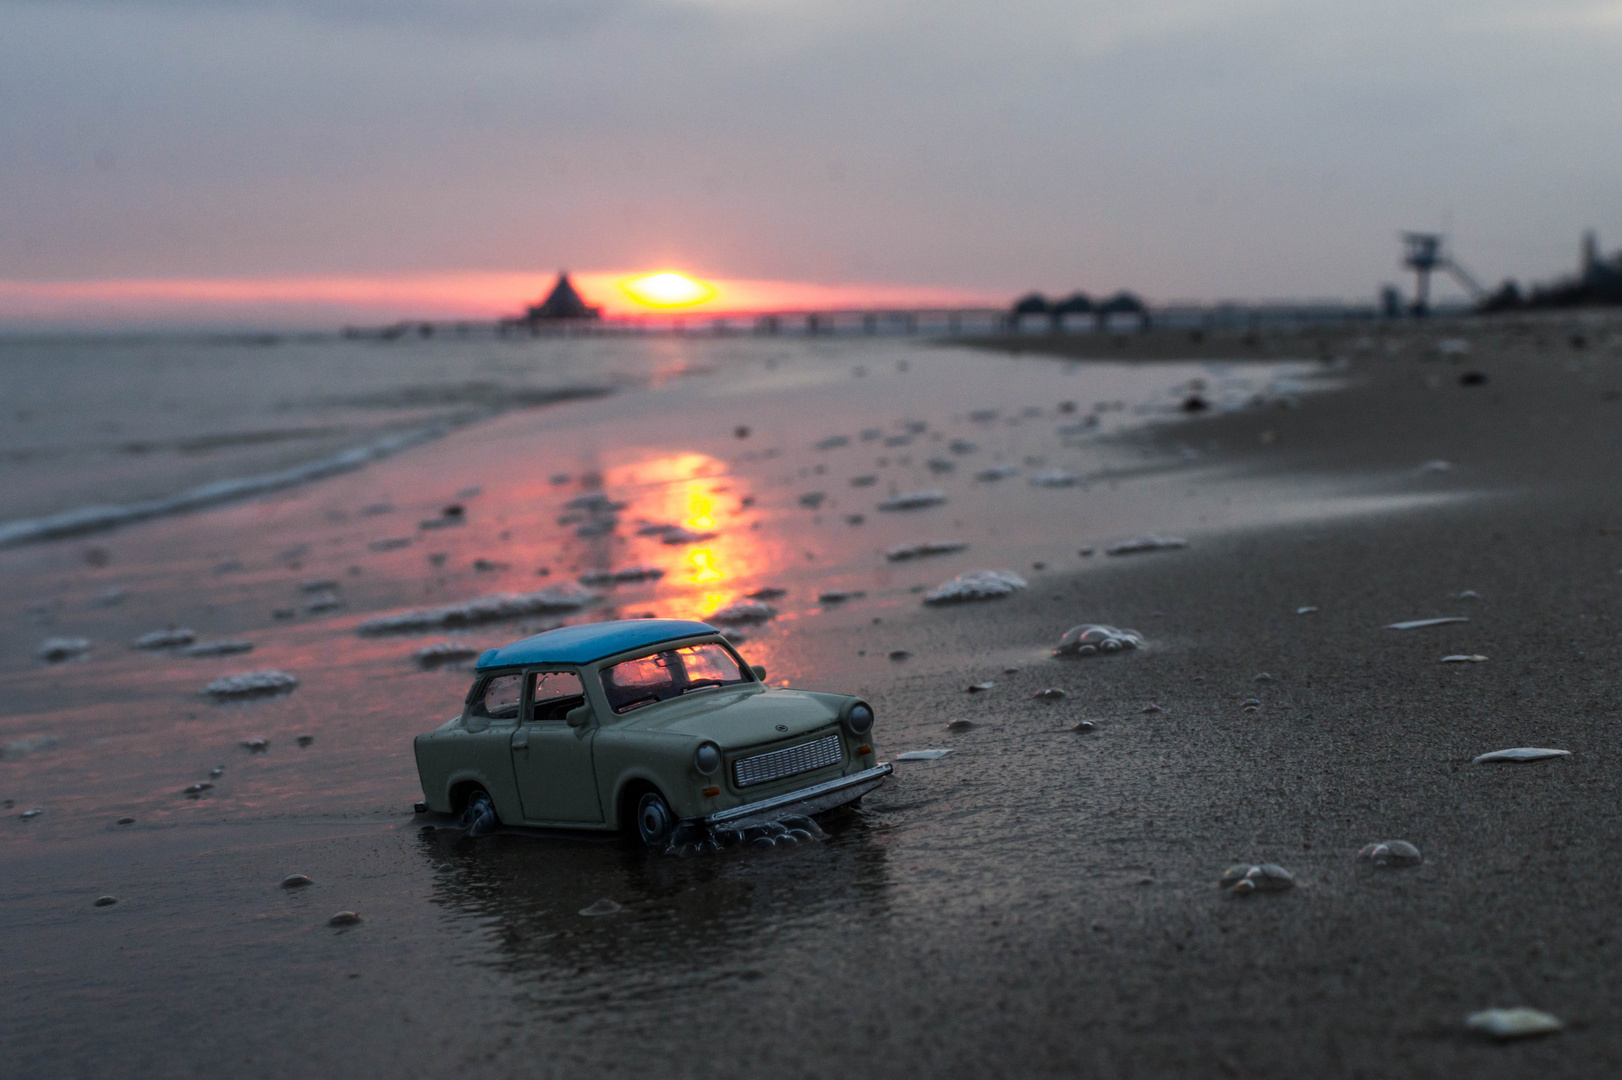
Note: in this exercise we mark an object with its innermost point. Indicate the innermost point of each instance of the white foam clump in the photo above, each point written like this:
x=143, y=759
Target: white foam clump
x=975, y=585
x=223, y=647
x=621, y=576
x=55, y=650
x=1390, y=854
x=1054, y=478
x=1518, y=754
x=922, y=755
x=497, y=607
x=924, y=548
x=1513, y=1023
x=1088, y=639
x=249, y=683
x=742, y=611
x=1247, y=878
x=914, y=500
x=172, y=638
x=1140, y=544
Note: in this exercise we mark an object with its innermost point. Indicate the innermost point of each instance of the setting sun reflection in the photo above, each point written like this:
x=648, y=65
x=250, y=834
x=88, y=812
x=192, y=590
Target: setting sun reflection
x=667, y=289
x=704, y=568
x=700, y=509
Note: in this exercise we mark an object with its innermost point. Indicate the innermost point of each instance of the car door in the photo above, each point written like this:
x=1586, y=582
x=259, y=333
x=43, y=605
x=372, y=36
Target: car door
x=552, y=760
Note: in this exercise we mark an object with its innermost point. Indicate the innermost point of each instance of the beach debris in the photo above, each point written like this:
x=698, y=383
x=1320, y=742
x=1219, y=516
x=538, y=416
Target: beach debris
x=622, y=576
x=1054, y=478
x=1390, y=854
x=172, y=638
x=1518, y=754
x=832, y=442
x=899, y=654
x=922, y=755
x=1519, y=1023
x=390, y=543
x=604, y=906
x=296, y=881
x=216, y=772
x=995, y=473
x=305, y=740
x=496, y=607
x=924, y=549
x=1052, y=693
x=252, y=684
x=770, y=592
x=1420, y=624
x=1437, y=465
x=31, y=745
x=913, y=500
x=976, y=585
x=223, y=647
x=742, y=611
x=1089, y=639
x=57, y=649
x=813, y=500
x=31, y=813
x=1307, y=609
x=195, y=791
x=255, y=746
x=1084, y=726
x=443, y=652
x=450, y=516
x=125, y=821
x=979, y=687
x=1463, y=658
x=104, y=901
x=961, y=725
x=1141, y=544
x=344, y=918
x=1245, y=878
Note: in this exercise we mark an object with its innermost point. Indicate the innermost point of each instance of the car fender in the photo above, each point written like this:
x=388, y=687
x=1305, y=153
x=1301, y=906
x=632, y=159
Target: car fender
x=502, y=793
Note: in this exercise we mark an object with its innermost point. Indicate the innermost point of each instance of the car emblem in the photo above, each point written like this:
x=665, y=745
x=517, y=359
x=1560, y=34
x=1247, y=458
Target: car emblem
x=782, y=727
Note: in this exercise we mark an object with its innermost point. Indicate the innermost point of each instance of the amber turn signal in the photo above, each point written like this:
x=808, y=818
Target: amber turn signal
x=711, y=792
x=862, y=750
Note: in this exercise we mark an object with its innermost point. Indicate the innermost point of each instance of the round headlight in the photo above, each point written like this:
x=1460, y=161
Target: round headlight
x=860, y=719
x=708, y=759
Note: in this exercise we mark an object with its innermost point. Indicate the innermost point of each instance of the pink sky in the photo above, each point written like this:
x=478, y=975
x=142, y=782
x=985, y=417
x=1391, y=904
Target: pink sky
x=325, y=301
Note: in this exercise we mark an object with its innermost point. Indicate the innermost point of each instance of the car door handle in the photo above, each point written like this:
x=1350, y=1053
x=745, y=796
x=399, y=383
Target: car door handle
x=521, y=741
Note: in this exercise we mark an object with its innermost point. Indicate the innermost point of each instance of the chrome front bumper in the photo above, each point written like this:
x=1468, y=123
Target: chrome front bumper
x=812, y=800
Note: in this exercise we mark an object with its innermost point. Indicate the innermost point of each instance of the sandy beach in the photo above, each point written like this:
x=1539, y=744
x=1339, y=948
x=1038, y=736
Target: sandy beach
x=1041, y=902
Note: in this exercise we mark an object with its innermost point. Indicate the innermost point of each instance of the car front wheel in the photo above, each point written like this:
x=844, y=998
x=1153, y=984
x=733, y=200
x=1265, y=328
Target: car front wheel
x=654, y=821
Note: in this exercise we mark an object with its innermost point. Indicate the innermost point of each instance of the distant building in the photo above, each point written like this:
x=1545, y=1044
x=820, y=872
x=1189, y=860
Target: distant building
x=561, y=304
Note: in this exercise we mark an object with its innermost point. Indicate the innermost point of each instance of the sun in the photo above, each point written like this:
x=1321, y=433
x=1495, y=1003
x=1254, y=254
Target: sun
x=667, y=289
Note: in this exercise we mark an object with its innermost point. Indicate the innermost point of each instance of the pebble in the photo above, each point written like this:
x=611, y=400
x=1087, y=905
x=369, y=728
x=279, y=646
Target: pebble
x=31, y=813
x=622, y=576
x=296, y=881
x=192, y=791
x=605, y=906
x=305, y=740
x=1089, y=639
x=125, y=821
x=1437, y=465
x=1251, y=704
x=768, y=593
x=1052, y=693
x=226, y=647
x=443, y=652
x=255, y=746
x=923, y=549
x=1469, y=594
x=833, y=596
x=1054, y=478
x=1519, y=753
x=1142, y=544
x=104, y=901
x=913, y=500
x=172, y=638
x=1464, y=658
x=1262, y=677
x=1420, y=624
x=922, y=755
x=1392, y=854
x=1517, y=1023
x=217, y=771
x=1245, y=878
x=252, y=683
x=1010, y=671
x=1150, y=708
x=57, y=649
x=976, y=585
x=1084, y=726
x=344, y=918
x=899, y=654
x=812, y=500
x=979, y=687
x=961, y=725
x=1307, y=609
x=995, y=473
x=742, y=611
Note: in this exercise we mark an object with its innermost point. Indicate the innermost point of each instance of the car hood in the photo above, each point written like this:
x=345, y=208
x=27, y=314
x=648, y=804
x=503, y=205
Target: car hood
x=736, y=719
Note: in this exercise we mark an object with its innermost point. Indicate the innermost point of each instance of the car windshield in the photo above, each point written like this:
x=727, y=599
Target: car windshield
x=631, y=684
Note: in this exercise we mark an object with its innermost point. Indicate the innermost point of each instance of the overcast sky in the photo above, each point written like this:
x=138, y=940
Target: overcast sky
x=1182, y=148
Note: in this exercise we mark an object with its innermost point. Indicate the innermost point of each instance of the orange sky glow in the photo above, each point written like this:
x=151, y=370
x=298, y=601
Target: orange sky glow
x=331, y=300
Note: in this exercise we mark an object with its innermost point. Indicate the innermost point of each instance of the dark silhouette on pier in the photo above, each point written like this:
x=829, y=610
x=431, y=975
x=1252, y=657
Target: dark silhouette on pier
x=562, y=304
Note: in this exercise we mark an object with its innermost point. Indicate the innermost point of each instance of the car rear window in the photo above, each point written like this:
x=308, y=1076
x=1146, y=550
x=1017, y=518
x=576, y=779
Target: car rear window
x=646, y=680
x=499, y=701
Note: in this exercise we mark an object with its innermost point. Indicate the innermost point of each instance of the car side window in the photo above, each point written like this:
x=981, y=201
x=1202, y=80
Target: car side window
x=554, y=693
x=500, y=698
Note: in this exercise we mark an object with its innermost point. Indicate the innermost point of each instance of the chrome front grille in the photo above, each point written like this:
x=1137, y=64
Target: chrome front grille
x=793, y=761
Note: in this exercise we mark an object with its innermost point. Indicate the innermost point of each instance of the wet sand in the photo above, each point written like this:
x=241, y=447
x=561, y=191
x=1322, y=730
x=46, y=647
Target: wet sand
x=1039, y=902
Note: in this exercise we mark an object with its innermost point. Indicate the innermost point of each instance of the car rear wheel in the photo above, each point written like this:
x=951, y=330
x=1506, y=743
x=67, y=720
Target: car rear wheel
x=480, y=816
x=654, y=821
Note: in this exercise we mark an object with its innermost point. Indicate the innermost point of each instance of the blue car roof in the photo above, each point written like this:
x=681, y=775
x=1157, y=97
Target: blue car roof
x=591, y=641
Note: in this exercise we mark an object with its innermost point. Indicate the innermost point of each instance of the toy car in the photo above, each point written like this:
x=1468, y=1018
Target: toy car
x=642, y=725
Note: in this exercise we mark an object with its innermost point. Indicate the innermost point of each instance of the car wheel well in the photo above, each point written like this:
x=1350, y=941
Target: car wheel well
x=461, y=792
